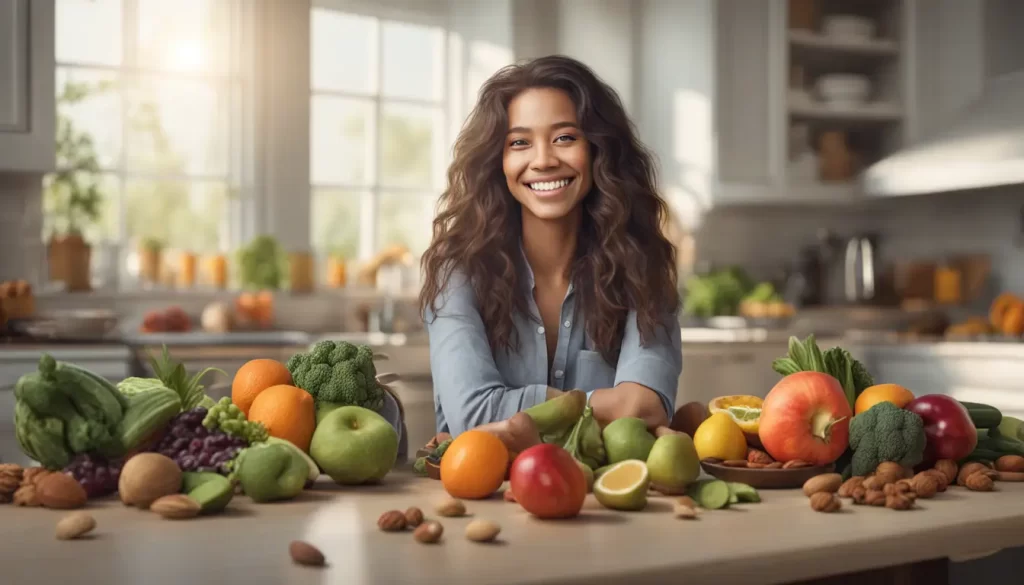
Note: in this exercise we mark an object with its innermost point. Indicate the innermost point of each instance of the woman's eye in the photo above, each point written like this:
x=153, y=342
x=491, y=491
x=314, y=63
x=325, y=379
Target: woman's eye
x=567, y=137
x=518, y=142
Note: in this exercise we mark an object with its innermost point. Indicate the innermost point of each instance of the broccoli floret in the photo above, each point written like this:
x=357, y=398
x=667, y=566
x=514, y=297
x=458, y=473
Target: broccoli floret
x=886, y=432
x=340, y=373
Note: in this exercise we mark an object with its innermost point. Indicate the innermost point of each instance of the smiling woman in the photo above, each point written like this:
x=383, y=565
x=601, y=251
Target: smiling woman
x=548, y=270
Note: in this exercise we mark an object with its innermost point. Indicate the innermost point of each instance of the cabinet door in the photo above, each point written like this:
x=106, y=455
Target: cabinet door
x=27, y=101
x=748, y=84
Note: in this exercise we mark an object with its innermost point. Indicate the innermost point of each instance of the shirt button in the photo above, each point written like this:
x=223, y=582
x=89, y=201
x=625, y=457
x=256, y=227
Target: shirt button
x=540, y=330
x=559, y=373
x=567, y=323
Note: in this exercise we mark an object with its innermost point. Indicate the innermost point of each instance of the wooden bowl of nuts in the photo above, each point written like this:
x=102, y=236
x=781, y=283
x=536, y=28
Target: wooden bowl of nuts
x=774, y=475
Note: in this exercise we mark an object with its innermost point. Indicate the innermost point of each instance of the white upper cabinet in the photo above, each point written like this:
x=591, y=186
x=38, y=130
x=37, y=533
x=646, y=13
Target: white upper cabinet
x=27, y=100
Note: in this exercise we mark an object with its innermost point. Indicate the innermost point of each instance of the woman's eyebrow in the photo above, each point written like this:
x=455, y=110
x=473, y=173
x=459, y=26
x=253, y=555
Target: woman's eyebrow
x=555, y=126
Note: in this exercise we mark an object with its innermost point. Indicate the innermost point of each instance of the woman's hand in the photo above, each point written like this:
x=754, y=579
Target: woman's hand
x=629, y=400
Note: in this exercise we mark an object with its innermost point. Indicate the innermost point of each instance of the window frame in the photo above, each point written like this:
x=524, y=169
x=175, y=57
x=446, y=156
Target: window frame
x=428, y=13
x=235, y=86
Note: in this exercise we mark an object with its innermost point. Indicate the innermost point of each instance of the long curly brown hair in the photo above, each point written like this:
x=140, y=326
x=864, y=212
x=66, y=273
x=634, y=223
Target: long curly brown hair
x=623, y=260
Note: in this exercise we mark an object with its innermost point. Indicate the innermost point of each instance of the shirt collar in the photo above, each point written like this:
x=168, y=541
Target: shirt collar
x=529, y=284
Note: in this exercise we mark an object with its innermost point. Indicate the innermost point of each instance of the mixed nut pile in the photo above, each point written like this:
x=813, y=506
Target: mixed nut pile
x=897, y=488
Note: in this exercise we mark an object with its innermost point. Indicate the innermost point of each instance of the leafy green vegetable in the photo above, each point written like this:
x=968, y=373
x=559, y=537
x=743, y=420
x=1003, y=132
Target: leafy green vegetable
x=718, y=293
x=132, y=386
x=338, y=373
x=886, y=432
x=805, y=356
x=174, y=376
x=585, y=442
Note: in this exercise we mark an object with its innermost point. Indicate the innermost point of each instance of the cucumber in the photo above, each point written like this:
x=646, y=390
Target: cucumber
x=712, y=494
x=743, y=493
x=982, y=415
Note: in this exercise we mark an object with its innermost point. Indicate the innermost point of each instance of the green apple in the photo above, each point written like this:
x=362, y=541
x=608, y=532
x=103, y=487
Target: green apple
x=271, y=472
x=627, y=438
x=354, y=445
x=673, y=463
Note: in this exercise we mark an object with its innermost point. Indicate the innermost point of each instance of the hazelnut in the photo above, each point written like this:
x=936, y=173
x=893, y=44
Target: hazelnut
x=429, y=532
x=391, y=521
x=825, y=502
x=413, y=517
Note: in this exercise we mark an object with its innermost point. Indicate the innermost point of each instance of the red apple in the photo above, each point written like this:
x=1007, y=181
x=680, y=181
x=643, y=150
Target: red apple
x=547, y=482
x=806, y=416
x=947, y=426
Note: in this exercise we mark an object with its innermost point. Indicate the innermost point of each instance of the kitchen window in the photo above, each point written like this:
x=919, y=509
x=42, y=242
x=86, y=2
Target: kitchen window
x=377, y=130
x=151, y=98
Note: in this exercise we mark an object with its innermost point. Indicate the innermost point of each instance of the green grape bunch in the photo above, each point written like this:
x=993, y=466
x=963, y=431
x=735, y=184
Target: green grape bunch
x=230, y=419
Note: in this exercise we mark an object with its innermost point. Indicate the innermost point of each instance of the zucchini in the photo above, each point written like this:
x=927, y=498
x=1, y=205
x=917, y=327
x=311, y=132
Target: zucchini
x=147, y=413
x=982, y=415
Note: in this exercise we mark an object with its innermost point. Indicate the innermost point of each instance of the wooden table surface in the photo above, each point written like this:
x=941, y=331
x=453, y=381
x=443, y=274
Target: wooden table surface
x=779, y=540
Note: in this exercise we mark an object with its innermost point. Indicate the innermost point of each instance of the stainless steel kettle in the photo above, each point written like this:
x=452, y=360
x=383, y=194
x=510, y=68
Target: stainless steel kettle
x=861, y=272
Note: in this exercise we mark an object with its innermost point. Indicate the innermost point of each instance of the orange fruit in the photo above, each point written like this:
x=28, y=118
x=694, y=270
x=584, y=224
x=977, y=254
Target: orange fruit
x=287, y=412
x=872, y=395
x=255, y=377
x=474, y=465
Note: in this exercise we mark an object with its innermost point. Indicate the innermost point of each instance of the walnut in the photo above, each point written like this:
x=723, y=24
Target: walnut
x=941, y=478
x=925, y=485
x=825, y=502
x=875, y=482
x=27, y=496
x=10, y=479
x=392, y=521
x=890, y=471
x=948, y=468
x=979, y=482
x=859, y=494
x=846, y=490
x=970, y=469
x=898, y=502
x=897, y=488
x=875, y=498
x=759, y=456
x=34, y=474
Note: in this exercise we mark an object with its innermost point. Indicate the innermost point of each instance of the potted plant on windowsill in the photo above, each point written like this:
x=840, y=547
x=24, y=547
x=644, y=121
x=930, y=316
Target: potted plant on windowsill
x=150, y=259
x=72, y=198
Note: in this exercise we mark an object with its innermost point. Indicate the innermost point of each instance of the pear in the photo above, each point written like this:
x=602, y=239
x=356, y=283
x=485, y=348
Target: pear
x=673, y=463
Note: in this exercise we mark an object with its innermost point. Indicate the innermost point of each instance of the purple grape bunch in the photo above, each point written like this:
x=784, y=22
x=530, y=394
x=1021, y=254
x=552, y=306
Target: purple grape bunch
x=195, y=448
x=95, y=474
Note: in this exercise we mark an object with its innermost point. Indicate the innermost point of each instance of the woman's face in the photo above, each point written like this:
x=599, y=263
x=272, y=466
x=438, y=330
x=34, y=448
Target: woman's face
x=546, y=157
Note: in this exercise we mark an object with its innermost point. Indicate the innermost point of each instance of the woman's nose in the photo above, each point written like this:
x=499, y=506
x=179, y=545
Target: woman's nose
x=544, y=157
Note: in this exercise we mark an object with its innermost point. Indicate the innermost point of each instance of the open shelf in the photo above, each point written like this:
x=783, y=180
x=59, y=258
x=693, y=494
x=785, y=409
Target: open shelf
x=811, y=41
x=877, y=113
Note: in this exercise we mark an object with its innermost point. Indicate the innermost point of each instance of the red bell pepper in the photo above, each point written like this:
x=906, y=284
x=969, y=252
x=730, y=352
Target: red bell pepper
x=947, y=426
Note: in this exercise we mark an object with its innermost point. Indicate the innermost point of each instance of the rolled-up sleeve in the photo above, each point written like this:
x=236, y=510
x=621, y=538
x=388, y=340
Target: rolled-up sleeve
x=467, y=383
x=656, y=365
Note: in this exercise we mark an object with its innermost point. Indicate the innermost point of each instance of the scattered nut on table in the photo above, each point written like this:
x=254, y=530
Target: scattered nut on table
x=75, y=525
x=304, y=553
x=482, y=530
x=825, y=483
x=413, y=517
x=451, y=508
x=392, y=521
x=429, y=532
x=176, y=507
x=825, y=502
x=684, y=510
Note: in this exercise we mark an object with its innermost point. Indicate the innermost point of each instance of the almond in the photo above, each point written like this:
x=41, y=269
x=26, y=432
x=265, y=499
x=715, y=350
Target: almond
x=451, y=508
x=304, y=553
x=60, y=491
x=827, y=482
x=176, y=507
x=75, y=525
x=482, y=530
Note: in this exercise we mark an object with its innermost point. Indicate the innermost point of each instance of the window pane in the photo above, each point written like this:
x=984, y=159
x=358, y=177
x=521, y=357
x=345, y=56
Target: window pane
x=181, y=214
x=343, y=51
x=177, y=126
x=341, y=148
x=104, y=189
x=89, y=31
x=89, y=118
x=190, y=36
x=336, y=221
x=412, y=61
x=406, y=219
x=408, y=142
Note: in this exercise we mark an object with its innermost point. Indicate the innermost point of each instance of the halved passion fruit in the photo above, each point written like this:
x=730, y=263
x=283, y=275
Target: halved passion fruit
x=745, y=410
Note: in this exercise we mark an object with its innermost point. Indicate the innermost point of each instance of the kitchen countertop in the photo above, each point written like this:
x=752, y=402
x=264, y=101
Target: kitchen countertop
x=779, y=540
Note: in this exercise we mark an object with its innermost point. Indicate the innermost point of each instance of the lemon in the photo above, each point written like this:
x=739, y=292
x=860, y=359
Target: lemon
x=624, y=486
x=719, y=437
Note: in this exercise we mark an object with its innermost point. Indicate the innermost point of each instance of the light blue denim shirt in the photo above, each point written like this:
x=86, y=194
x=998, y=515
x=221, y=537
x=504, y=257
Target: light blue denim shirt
x=475, y=386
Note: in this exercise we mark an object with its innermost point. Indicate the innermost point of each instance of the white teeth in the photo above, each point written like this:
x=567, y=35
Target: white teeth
x=549, y=185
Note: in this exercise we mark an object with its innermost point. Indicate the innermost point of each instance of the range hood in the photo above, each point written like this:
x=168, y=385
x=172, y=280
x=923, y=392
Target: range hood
x=983, y=146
